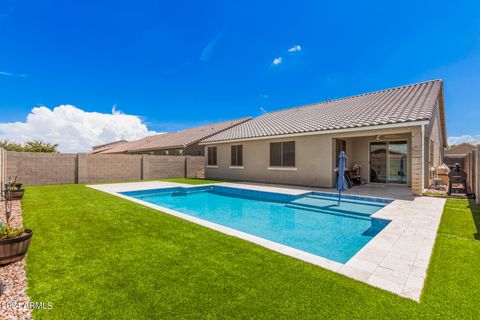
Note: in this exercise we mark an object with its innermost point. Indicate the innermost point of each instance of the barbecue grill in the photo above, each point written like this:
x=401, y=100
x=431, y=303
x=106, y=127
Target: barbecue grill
x=457, y=177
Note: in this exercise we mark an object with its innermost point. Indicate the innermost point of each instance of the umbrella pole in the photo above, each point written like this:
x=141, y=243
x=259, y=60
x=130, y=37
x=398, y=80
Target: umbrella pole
x=339, y=195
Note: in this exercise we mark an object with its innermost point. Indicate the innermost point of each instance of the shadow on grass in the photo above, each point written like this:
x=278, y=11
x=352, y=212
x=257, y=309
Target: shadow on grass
x=475, y=210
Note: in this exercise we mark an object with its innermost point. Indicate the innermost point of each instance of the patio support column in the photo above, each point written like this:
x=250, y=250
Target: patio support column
x=418, y=168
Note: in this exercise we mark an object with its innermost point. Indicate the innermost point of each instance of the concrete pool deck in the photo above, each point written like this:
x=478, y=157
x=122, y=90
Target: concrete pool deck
x=396, y=259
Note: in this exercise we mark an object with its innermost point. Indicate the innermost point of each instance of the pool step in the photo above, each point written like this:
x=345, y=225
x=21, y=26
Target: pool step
x=322, y=205
x=346, y=200
x=327, y=211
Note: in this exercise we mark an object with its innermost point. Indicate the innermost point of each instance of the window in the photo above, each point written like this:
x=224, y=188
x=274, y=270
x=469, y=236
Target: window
x=212, y=156
x=282, y=154
x=237, y=156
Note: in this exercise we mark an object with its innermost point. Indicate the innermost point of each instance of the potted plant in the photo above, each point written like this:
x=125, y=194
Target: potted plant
x=15, y=189
x=14, y=242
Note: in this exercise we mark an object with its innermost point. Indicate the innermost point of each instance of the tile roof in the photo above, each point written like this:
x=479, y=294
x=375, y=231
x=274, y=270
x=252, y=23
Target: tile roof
x=461, y=149
x=179, y=139
x=396, y=105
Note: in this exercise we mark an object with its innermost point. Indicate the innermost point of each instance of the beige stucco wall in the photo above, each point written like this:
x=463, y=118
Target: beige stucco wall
x=313, y=162
x=314, y=158
x=433, y=135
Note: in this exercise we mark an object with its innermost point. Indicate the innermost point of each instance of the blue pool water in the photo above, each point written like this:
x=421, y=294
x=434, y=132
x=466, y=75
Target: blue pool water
x=311, y=222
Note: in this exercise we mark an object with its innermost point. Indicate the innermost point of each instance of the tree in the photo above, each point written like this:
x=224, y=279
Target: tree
x=29, y=146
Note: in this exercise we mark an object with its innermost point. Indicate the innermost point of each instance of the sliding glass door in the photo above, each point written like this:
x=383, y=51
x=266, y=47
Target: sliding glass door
x=388, y=162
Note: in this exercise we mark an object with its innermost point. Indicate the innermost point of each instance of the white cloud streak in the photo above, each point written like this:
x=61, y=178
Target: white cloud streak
x=74, y=129
x=296, y=48
x=208, y=50
x=9, y=74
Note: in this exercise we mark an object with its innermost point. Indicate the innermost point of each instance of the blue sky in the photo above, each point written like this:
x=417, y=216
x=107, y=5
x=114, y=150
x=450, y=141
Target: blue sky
x=182, y=63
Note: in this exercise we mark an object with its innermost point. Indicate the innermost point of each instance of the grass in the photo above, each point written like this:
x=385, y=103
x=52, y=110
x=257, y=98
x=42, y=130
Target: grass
x=98, y=256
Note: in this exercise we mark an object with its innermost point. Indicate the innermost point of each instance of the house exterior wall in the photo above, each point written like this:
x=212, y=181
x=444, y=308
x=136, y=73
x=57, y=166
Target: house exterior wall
x=192, y=150
x=314, y=158
x=434, y=146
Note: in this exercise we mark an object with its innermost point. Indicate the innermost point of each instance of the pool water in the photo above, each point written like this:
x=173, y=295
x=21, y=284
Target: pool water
x=312, y=222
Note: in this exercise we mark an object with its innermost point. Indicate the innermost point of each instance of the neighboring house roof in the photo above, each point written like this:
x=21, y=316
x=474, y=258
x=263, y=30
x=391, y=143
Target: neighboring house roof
x=409, y=103
x=106, y=146
x=461, y=149
x=179, y=139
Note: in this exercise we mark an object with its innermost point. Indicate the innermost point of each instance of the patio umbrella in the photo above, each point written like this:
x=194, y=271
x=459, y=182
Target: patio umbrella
x=341, y=181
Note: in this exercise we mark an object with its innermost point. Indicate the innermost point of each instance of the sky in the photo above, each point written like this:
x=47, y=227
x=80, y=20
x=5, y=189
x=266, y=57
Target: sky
x=80, y=73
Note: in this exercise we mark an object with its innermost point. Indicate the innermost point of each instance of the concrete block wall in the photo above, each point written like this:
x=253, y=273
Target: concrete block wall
x=112, y=167
x=155, y=167
x=477, y=182
x=195, y=167
x=3, y=169
x=59, y=168
x=33, y=168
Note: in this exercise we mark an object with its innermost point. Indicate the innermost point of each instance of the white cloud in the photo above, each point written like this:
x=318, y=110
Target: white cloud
x=263, y=110
x=264, y=95
x=277, y=61
x=296, y=48
x=74, y=129
x=9, y=74
x=475, y=139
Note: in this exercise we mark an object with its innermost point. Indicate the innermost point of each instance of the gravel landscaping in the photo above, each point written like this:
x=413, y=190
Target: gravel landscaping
x=14, y=301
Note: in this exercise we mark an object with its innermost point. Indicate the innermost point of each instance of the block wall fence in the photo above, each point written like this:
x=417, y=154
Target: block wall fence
x=33, y=168
x=477, y=191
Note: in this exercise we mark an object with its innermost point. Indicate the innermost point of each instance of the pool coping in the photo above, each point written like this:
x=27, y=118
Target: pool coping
x=396, y=259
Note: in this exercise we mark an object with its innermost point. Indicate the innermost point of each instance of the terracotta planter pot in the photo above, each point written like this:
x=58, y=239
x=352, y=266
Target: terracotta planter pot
x=17, y=194
x=12, y=250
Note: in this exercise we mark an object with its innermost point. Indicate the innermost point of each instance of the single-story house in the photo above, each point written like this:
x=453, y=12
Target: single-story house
x=184, y=142
x=396, y=135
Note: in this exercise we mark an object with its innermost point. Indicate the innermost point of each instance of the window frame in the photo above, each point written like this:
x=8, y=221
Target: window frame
x=283, y=155
x=212, y=157
x=236, y=157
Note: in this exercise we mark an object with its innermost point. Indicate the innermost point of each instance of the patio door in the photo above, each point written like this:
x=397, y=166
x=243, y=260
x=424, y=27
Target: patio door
x=388, y=162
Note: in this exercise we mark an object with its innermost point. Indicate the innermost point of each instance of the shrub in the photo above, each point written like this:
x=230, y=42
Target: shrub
x=7, y=232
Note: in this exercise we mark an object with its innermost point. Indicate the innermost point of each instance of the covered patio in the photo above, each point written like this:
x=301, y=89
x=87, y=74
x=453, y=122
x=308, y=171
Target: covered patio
x=384, y=163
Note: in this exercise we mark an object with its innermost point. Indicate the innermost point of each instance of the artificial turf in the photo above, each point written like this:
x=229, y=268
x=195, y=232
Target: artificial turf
x=97, y=256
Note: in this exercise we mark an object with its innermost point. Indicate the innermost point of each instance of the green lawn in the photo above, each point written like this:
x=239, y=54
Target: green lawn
x=97, y=256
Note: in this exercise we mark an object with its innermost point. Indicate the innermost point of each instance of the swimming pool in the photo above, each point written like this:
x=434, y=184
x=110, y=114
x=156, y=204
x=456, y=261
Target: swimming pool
x=310, y=222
